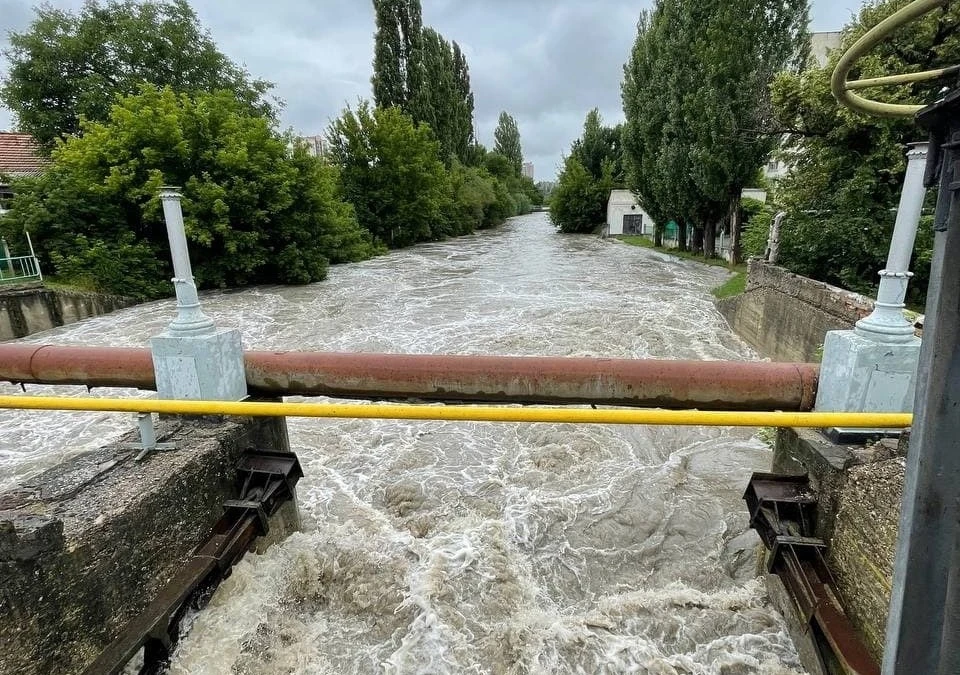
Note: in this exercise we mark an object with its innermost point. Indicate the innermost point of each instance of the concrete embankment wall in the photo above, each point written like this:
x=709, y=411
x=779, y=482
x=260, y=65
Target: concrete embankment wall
x=24, y=311
x=859, y=492
x=87, y=545
x=785, y=316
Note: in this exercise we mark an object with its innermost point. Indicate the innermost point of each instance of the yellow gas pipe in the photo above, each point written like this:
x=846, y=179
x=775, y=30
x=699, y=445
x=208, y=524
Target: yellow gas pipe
x=460, y=413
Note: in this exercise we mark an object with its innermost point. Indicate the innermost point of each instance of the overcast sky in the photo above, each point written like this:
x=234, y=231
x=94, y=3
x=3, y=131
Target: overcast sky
x=547, y=62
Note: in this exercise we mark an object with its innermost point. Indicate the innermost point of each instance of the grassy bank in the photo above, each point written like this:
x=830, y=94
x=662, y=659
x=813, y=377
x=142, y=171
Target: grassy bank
x=735, y=285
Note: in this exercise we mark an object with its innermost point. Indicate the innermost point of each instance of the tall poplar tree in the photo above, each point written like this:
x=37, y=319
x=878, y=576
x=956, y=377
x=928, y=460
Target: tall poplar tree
x=464, y=105
x=697, y=101
x=417, y=70
x=507, y=141
x=398, y=57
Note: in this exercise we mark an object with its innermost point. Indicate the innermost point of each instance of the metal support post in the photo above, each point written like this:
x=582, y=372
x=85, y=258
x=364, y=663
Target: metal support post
x=922, y=631
x=873, y=368
x=190, y=318
x=887, y=323
x=192, y=359
x=148, y=437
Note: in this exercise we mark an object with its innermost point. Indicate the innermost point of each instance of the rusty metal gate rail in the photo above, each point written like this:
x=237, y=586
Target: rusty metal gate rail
x=265, y=480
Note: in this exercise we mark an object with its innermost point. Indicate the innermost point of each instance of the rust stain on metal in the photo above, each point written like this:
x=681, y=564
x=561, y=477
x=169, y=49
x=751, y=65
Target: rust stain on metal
x=783, y=512
x=715, y=385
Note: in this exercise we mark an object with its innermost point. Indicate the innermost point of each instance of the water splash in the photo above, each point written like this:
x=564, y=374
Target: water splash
x=435, y=547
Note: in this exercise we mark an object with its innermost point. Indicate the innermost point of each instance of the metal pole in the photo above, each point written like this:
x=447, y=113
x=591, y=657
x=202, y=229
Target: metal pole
x=33, y=255
x=921, y=634
x=190, y=318
x=886, y=323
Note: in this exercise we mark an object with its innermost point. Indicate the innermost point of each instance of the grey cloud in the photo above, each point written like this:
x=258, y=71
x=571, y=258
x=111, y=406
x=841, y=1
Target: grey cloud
x=547, y=62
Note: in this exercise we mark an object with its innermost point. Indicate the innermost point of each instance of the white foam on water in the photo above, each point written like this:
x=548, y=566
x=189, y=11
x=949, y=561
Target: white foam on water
x=432, y=547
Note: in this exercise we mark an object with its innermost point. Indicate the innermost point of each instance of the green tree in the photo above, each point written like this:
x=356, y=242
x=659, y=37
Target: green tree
x=848, y=169
x=507, y=141
x=578, y=203
x=697, y=105
x=463, y=106
x=391, y=172
x=447, y=83
x=398, y=75
x=73, y=65
x=256, y=211
x=655, y=147
x=417, y=70
x=599, y=144
x=739, y=47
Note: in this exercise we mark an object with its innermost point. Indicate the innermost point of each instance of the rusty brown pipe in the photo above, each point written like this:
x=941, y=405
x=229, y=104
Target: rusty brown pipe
x=714, y=385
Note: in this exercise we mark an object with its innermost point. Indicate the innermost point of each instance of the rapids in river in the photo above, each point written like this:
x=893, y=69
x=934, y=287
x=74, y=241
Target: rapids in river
x=432, y=547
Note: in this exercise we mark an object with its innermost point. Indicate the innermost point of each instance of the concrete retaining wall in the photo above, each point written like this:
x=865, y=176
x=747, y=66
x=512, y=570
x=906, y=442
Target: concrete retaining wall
x=24, y=311
x=87, y=545
x=859, y=491
x=865, y=544
x=785, y=316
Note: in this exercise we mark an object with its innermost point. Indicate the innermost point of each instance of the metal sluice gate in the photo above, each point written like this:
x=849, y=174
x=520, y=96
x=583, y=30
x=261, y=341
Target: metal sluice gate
x=783, y=512
x=265, y=481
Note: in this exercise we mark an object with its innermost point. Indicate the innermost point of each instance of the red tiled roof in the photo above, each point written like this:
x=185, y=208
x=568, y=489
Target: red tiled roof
x=19, y=155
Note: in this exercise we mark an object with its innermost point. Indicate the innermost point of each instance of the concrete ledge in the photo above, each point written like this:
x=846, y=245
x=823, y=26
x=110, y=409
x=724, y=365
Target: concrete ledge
x=785, y=316
x=86, y=546
x=24, y=311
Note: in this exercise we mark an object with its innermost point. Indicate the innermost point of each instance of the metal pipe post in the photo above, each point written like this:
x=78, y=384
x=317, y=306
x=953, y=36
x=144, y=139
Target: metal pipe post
x=921, y=633
x=190, y=319
x=886, y=323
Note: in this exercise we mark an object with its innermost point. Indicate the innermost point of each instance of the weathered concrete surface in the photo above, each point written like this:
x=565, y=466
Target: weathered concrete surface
x=87, y=545
x=859, y=490
x=30, y=310
x=785, y=316
x=864, y=545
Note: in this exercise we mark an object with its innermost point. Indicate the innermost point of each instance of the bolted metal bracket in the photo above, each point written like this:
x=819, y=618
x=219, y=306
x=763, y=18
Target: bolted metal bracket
x=148, y=438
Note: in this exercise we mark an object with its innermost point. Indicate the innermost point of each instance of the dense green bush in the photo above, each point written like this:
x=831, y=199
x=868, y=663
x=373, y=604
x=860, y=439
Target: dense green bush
x=756, y=217
x=257, y=209
x=390, y=170
x=579, y=202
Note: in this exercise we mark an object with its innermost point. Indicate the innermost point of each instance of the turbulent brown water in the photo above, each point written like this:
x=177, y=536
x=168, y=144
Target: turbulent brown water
x=435, y=547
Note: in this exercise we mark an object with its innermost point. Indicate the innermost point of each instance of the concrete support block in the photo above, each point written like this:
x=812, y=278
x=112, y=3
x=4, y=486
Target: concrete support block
x=204, y=367
x=860, y=374
x=87, y=545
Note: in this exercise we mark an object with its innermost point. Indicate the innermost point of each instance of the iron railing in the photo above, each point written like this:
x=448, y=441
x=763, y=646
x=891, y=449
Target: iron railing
x=20, y=269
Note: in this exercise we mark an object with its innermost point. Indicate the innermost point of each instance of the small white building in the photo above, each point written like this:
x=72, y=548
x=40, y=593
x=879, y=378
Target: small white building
x=624, y=215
